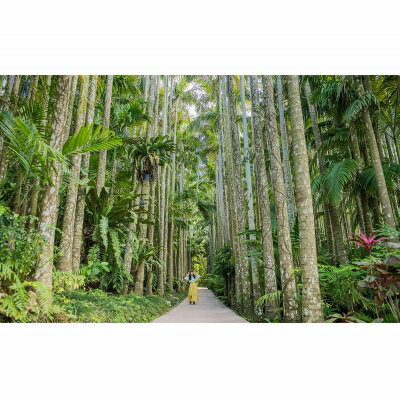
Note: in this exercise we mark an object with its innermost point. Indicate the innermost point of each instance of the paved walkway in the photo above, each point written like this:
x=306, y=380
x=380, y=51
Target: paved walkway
x=208, y=309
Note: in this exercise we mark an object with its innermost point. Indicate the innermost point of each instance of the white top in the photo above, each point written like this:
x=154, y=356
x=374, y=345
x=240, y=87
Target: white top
x=192, y=279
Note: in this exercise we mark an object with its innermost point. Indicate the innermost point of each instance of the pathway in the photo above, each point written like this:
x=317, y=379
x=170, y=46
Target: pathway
x=208, y=309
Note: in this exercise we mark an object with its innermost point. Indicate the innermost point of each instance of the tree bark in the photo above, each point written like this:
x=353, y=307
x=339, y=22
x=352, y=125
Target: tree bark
x=49, y=210
x=67, y=239
x=237, y=165
x=285, y=155
x=250, y=209
x=363, y=197
x=101, y=171
x=140, y=269
x=33, y=87
x=263, y=199
x=290, y=304
x=332, y=210
x=80, y=204
x=231, y=194
x=311, y=297
x=15, y=90
x=376, y=162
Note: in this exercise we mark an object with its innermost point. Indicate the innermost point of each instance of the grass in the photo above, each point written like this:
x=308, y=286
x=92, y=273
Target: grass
x=98, y=306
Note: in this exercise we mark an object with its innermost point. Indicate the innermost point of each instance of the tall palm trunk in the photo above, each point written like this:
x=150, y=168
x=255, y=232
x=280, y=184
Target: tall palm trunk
x=80, y=204
x=49, y=208
x=15, y=90
x=140, y=269
x=33, y=87
x=67, y=239
x=311, y=296
x=290, y=305
x=163, y=189
x=101, y=171
x=287, y=174
x=237, y=165
x=221, y=171
x=6, y=98
x=263, y=199
x=171, y=225
x=136, y=188
x=231, y=196
x=9, y=86
x=376, y=161
x=331, y=209
x=249, y=191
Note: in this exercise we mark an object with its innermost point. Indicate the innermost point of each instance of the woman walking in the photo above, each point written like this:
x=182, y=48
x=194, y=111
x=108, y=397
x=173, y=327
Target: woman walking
x=193, y=294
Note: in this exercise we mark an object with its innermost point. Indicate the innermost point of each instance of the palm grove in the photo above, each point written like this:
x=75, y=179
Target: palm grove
x=282, y=191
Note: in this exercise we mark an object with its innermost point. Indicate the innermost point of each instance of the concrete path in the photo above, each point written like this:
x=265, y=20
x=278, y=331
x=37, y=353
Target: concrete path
x=208, y=309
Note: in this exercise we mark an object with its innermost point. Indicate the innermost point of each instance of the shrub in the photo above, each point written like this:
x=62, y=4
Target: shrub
x=21, y=298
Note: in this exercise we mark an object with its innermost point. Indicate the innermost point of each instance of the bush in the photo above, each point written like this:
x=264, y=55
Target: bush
x=179, y=285
x=99, y=306
x=21, y=298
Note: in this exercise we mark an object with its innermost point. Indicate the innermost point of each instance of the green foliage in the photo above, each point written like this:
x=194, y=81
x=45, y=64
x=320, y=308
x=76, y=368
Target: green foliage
x=21, y=298
x=179, y=285
x=18, y=247
x=90, y=139
x=367, y=179
x=331, y=183
x=359, y=104
x=383, y=280
x=224, y=262
x=271, y=298
x=98, y=306
x=388, y=231
x=101, y=274
x=148, y=155
x=350, y=317
x=28, y=302
x=339, y=289
x=68, y=280
x=94, y=269
x=215, y=283
x=25, y=145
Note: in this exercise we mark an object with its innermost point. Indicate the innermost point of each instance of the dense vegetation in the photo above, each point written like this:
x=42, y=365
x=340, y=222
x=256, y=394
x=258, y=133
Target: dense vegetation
x=282, y=192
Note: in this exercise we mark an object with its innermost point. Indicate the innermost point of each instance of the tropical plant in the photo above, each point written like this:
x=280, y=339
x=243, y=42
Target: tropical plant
x=383, y=280
x=366, y=242
x=21, y=298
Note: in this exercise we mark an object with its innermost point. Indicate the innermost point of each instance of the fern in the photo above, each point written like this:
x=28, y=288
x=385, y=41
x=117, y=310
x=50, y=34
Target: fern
x=67, y=280
x=270, y=298
x=104, y=231
x=116, y=246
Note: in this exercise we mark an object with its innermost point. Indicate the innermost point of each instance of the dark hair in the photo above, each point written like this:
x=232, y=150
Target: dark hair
x=191, y=273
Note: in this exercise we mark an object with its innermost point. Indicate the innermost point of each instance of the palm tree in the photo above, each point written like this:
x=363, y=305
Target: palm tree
x=249, y=192
x=80, y=204
x=101, y=172
x=263, y=199
x=237, y=165
x=376, y=158
x=67, y=239
x=290, y=306
x=311, y=297
x=330, y=211
x=285, y=154
x=49, y=210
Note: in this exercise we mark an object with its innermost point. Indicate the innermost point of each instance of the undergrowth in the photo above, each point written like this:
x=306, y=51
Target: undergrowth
x=99, y=306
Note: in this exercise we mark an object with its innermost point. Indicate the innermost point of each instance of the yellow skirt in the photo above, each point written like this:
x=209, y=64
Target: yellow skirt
x=193, y=294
